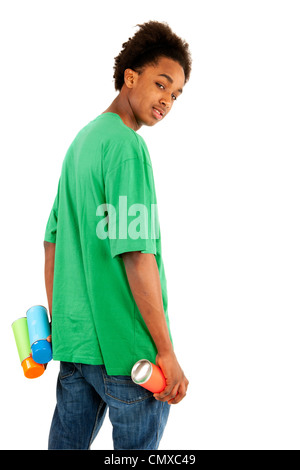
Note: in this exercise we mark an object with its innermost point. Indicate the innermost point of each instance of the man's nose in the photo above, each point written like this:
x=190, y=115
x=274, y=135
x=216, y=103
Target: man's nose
x=166, y=102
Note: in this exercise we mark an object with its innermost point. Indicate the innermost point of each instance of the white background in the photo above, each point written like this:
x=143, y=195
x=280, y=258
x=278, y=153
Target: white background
x=226, y=164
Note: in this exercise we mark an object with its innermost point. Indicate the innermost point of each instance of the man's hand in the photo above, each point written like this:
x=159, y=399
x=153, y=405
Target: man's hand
x=177, y=383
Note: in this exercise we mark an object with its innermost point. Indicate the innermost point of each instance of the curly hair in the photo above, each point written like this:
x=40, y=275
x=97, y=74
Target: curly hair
x=152, y=41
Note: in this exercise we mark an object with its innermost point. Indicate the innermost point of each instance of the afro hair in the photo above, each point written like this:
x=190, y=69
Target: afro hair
x=152, y=41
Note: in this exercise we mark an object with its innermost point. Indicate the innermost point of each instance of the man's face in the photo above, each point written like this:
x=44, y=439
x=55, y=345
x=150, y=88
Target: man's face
x=153, y=92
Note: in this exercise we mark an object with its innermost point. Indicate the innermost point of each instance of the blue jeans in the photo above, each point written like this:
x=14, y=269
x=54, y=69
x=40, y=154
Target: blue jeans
x=84, y=392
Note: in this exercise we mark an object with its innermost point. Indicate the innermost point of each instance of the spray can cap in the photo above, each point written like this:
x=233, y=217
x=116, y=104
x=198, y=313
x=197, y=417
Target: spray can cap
x=141, y=371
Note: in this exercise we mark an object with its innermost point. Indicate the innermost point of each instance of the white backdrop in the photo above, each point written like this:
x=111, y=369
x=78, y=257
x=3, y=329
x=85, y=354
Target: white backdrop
x=226, y=164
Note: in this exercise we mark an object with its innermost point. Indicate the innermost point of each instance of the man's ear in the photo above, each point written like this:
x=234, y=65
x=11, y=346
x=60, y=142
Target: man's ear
x=130, y=78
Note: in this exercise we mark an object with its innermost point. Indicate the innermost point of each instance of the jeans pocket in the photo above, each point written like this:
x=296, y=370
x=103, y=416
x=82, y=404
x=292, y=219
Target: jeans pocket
x=66, y=370
x=124, y=390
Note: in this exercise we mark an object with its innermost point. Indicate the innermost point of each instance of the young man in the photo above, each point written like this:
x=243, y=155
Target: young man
x=104, y=274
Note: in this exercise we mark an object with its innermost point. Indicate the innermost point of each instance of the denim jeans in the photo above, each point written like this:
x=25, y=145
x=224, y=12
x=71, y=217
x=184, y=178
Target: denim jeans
x=85, y=392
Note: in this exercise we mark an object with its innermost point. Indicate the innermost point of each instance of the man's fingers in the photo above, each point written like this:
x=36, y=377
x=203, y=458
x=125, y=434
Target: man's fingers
x=179, y=396
x=162, y=396
x=167, y=394
x=173, y=395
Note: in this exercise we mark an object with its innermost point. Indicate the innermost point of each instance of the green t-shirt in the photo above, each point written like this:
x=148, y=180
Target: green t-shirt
x=105, y=205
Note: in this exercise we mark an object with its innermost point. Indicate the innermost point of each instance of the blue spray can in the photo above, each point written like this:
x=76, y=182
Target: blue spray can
x=39, y=330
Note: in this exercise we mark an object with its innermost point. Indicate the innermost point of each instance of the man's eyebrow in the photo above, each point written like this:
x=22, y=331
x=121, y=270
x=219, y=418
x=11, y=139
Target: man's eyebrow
x=169, y=79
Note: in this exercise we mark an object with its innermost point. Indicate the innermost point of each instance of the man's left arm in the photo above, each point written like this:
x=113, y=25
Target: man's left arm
x=49, y=272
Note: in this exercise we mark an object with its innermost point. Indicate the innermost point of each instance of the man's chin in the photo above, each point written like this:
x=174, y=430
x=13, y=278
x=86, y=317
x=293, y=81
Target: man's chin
x=151, y=122
x=148, y=121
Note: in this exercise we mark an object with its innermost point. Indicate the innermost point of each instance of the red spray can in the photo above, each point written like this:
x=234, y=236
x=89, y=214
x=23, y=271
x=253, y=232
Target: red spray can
x=148, y=375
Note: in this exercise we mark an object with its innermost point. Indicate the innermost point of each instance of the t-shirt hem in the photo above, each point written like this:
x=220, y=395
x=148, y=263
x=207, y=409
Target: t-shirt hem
x=141, y=248
x=79, y=359
x=117, y=370
x=50, y=239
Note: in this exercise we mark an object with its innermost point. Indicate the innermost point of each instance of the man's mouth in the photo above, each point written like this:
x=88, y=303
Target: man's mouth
x=158, y=113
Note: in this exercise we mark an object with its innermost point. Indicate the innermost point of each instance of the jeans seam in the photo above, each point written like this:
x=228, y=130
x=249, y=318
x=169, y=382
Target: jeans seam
x=68, y=374
x=107, y=380
x=95, y=425
x=131, y=402
x=159, y=424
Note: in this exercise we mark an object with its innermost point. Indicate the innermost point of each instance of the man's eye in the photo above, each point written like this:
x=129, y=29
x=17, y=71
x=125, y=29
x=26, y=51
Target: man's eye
x=160, y=86
x=174, y=98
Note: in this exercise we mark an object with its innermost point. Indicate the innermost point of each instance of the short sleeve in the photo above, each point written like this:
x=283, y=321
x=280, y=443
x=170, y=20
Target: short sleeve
x=51, y=227
x=131, y=213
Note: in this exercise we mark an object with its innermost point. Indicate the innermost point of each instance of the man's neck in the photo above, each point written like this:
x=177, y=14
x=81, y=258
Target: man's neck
x=121, y=106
